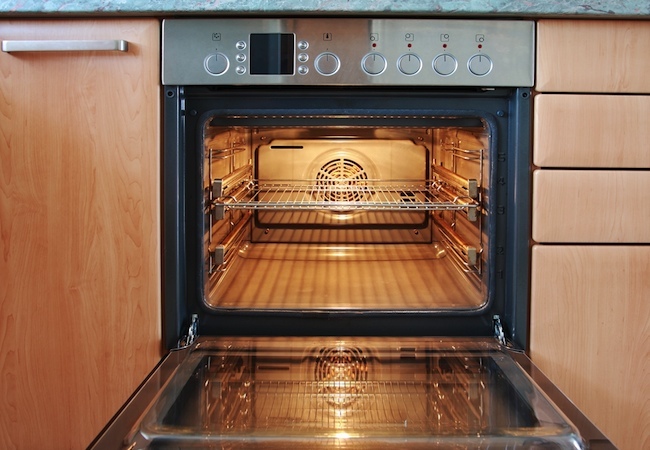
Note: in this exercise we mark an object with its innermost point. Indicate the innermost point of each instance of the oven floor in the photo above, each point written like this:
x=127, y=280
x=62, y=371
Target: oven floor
x=377, y=277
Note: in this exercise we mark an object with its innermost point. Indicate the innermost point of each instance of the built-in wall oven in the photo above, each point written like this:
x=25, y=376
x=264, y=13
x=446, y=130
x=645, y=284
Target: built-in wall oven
x=346, y=227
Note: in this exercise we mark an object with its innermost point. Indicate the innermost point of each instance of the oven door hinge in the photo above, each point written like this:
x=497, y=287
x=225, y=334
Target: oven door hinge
x=192, y=333
x=498, y=330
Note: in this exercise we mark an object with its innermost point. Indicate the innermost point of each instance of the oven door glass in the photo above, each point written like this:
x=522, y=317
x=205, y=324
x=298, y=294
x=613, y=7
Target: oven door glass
x=351, y=393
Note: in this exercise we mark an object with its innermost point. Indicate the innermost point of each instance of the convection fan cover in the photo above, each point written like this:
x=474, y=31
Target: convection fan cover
x=342, y=180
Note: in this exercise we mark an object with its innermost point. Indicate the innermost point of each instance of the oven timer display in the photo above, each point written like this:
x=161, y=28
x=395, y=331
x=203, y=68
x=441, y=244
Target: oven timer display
x=272, y=53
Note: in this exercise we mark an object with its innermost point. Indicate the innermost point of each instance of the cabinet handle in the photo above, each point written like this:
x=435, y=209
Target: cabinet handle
x=64, y=46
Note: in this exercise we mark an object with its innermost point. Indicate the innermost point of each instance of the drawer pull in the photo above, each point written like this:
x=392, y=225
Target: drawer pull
x=65, y=46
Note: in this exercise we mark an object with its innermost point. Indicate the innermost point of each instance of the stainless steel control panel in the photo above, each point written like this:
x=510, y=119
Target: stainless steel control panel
x=354, y=52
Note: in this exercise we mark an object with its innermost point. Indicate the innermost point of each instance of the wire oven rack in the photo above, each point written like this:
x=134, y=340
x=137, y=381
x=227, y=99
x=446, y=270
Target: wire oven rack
x=456, y=400
x=428, y=195
x=407, y=406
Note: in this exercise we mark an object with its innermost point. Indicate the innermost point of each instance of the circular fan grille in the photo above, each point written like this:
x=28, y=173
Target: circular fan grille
x=342, y=180
x=341, y=371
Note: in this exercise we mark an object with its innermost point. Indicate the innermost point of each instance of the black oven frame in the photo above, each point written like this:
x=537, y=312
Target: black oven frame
x=508, y=112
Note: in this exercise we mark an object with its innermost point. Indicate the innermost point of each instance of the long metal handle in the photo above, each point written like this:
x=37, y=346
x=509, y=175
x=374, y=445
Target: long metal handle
x=65, y=46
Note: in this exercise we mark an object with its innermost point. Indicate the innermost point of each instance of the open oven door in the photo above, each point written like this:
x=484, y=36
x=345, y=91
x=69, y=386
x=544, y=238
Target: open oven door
x=348, y=393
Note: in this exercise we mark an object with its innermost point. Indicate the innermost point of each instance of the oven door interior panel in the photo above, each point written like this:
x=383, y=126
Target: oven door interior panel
x=351, y=393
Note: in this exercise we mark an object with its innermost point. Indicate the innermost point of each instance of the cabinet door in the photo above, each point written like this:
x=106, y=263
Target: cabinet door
x=599, y=206
x=593, y=56
x=79, y=229
x=600, y=131
x=590, y=333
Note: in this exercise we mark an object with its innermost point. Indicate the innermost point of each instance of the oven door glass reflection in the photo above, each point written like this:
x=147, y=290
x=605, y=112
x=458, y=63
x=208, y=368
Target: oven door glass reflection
x=352, y=393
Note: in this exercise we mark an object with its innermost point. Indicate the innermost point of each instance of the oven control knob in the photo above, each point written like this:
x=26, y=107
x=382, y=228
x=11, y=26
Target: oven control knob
x=327, y=63
x=409, y=64
x=445, y=64
x=373, y=63
x=480, y=65
x=216, y=64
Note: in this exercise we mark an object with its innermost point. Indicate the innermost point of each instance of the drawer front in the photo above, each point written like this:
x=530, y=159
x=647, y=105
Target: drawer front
x=590, y=332
x=592, y=131
x=598, y=206
x=593, y=56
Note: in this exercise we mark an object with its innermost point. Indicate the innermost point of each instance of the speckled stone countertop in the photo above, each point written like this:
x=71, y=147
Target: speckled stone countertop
x=521, y=8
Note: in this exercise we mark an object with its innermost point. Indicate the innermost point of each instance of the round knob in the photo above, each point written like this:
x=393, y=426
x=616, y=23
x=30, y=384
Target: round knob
x=327, y=63
x=373, y=63
x=409, y=64
x=216, y=64
x=480, y=65
x=445, y=64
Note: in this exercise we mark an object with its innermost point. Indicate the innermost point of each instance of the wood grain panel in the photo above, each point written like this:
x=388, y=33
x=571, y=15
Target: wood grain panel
x=593, y=56
x=591, y=131
x=79, y=230
x=590, y=333
x=583, y=206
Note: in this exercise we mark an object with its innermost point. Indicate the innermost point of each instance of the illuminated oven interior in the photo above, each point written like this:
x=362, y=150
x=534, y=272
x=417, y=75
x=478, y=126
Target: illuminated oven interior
x=346, y=218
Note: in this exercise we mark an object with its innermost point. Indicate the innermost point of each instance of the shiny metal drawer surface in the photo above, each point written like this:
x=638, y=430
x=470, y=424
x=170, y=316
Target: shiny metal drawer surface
x=351, y=393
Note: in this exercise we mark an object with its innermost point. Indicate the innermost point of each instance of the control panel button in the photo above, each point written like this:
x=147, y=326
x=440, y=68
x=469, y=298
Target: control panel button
x=327, y=63
x=216, y=64
x=409, y=64
x=303, y=45
x=303, y=70
x=241, y=57
x=445, y=64
x=373, y=63
x=303, y=57
x=480, y=65
x=241, y=45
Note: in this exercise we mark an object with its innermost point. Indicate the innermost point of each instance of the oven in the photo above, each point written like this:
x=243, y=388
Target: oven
x=346, y=240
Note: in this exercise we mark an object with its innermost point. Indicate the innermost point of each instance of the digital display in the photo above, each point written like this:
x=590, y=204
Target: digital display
x=271, y=53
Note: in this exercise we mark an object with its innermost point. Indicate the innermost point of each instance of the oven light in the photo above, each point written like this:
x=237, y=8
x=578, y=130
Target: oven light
x=339, y=252
x=342, y=435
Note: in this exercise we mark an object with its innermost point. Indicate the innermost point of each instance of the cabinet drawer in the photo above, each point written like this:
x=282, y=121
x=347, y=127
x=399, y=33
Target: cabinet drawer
x=591, y=206
x=593, y=56
x=592, y=131
x=590, y=332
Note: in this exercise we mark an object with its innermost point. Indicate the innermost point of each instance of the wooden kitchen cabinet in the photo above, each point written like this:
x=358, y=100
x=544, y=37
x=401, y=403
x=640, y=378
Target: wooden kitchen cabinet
x=590, y=314
x=603, y=56
x=591, y=333
x=79, y=229
x=592, y=131
x=591, y=206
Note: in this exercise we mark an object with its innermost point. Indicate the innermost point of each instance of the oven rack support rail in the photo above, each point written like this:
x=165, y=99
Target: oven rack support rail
x=340, y=195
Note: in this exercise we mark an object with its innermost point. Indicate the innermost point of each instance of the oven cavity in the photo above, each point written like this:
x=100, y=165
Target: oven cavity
x=346, y=218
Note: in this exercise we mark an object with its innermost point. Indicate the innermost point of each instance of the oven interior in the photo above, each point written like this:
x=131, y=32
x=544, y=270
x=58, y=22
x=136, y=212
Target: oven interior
x=346, y=217
x=345, y=211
